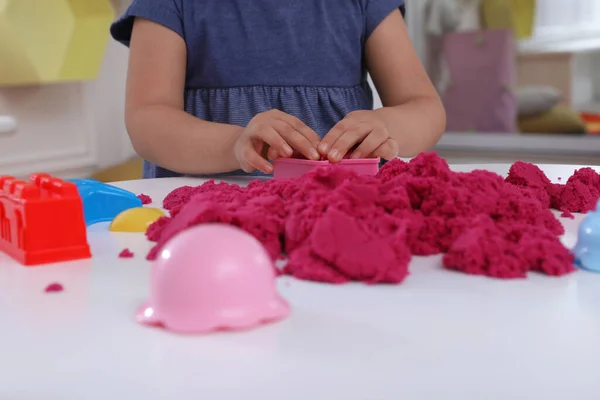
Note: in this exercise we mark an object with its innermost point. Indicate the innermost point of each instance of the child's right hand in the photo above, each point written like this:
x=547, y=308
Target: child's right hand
x=274, y=134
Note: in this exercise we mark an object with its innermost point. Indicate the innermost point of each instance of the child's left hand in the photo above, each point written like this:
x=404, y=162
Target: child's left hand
x=364, y=128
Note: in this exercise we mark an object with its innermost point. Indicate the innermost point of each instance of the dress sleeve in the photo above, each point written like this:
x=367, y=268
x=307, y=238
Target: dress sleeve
x=164, y=12
x=376, y=11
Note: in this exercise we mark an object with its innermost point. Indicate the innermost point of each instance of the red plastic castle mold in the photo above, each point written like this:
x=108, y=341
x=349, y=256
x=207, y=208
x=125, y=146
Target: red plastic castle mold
x=41, y=221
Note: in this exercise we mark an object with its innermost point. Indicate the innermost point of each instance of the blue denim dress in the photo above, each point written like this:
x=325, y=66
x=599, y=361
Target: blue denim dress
x=303, y=57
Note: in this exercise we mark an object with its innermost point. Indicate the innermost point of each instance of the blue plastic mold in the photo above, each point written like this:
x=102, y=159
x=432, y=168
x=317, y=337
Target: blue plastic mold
x=587, y=249
x=103, y=202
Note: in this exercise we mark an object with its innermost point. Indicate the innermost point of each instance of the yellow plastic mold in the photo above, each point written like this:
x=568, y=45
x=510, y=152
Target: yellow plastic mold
x=46, y=41
x=135, y=219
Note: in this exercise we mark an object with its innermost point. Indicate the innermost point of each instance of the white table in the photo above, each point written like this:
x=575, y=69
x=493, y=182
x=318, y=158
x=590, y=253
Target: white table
x=439, y=335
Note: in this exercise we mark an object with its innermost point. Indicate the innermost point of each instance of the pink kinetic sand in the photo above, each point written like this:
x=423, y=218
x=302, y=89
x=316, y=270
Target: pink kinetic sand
x=337, y=226
x=145, y=198
x=579, y=194
x=54, y=288
x=126, y=253
x=567, y=214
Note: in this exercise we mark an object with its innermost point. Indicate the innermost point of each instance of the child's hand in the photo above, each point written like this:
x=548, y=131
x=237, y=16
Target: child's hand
x=274, y=134
x=363, y=128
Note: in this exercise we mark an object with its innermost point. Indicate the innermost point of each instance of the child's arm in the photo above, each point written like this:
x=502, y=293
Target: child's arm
x=412, y=112
x=160, y=130
x=413, y=117
x=164, y=134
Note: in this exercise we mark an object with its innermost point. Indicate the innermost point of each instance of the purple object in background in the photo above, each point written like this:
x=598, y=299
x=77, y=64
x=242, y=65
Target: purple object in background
x=482, y=68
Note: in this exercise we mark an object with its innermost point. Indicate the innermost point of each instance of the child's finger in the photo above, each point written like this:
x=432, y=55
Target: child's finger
x=301, y=127
x=351, y=137
x=296, y=140
x=272, y=154
x=251, y=160
x=376, y=138
x=388, y=150
x=271, y=137
x=256, y=162
x=332, y=136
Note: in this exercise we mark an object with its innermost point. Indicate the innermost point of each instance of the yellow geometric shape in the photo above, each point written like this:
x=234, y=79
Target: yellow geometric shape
x=15, y=66
x=135, y=219
x=88, y=40
x=45, y=41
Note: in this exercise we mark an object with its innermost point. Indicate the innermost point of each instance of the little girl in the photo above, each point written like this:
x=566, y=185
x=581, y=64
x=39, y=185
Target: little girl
x=215, y=86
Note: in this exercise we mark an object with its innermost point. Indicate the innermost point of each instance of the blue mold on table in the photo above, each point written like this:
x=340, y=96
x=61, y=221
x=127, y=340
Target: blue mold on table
x=587, y=249
x=103, y=202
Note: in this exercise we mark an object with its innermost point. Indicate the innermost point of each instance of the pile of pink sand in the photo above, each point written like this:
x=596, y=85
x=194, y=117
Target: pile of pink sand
x=334, y=226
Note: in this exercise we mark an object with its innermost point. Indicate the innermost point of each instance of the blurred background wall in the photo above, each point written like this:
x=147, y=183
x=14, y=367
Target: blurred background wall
x=75, y=129
x=555, y=57
x=71, y=129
